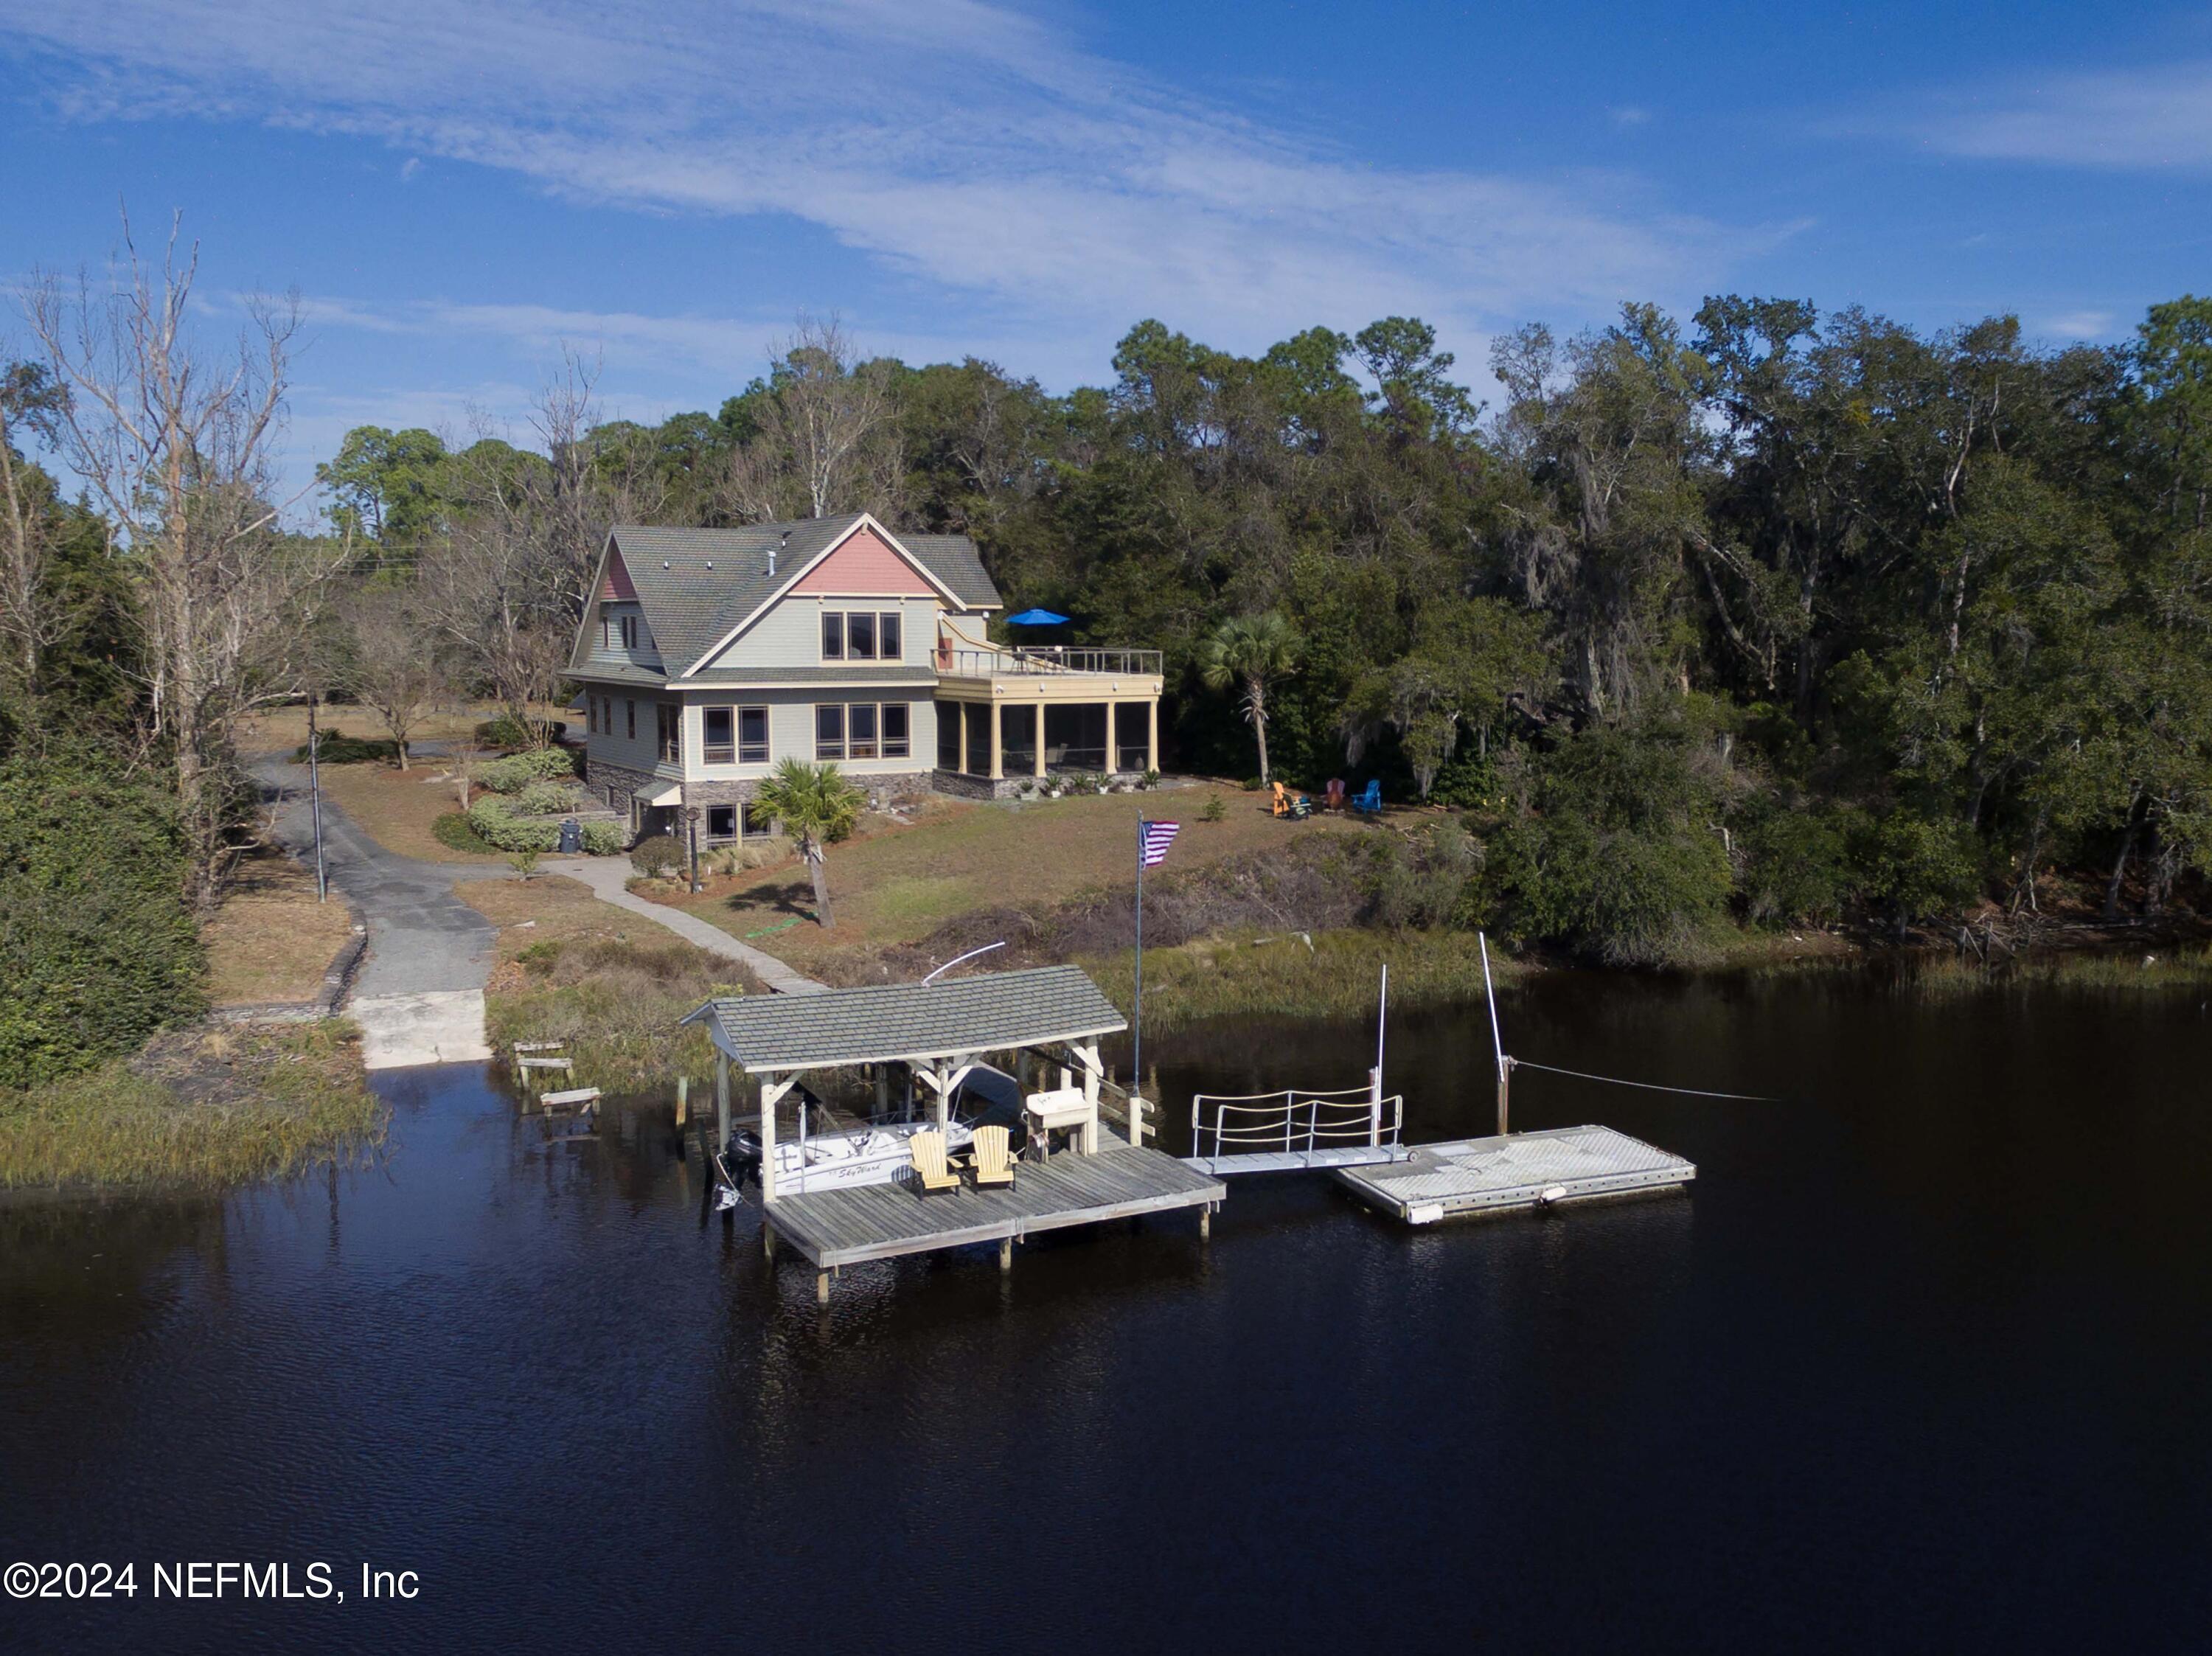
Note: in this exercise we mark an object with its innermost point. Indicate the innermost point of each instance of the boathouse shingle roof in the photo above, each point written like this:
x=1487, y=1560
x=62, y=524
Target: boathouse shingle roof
x=884, y=1022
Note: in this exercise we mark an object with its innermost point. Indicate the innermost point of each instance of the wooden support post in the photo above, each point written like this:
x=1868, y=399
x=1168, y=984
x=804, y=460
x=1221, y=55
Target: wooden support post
x=771, y=1093
x=683, y=1100
x=767, y=1241
x=1006, y=1254
x=1039, y=768
x=883, y=1089
x=721, y=1101
x=821, y=1288
x=1206, y=1223
x=1153, y=734
x=1092, y=1069
x=998, y=741
x=1505, y=1077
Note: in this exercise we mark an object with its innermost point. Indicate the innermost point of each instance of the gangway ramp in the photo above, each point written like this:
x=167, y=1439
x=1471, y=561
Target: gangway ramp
x=1294, y=1131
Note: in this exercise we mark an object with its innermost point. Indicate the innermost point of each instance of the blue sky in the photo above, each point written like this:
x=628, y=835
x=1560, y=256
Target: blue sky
x=457, y=190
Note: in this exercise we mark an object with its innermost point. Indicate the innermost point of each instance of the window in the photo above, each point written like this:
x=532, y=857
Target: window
x=895, y=730
x=754, y=823
x=722, y=821
x=720, y=736
x=670, y=721
x=752, y=735
x=632, y=711
x=861, y=718
x=630, y=631
x=828, y=730
x=860, y=635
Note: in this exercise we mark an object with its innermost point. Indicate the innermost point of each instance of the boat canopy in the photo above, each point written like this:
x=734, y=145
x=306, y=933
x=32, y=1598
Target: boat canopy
x=912, y=1023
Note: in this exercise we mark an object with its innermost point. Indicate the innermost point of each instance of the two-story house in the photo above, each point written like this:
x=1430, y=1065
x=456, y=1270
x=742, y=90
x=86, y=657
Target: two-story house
x=707, y=655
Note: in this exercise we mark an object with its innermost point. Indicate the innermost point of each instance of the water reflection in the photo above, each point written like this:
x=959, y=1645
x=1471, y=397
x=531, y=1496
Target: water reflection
x=1916, y=1362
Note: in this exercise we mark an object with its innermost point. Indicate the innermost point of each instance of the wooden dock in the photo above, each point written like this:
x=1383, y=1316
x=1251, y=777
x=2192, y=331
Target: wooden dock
x=1520, y=1170
x=833, y=1227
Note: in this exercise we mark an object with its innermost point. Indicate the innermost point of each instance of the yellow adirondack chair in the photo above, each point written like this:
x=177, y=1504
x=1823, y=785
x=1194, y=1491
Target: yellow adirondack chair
x=992, y=1159
x=929, y=1172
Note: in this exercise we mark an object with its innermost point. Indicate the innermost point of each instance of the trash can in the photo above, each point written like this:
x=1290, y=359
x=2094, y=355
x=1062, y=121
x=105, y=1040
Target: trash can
x=572, y=837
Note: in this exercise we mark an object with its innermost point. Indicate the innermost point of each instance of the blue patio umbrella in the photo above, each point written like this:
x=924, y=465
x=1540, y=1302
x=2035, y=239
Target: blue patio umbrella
x=1036, y=618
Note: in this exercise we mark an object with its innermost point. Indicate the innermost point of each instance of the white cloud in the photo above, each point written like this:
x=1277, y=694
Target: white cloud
x=2154, y=117
x=2078, y=324
x=963, y=144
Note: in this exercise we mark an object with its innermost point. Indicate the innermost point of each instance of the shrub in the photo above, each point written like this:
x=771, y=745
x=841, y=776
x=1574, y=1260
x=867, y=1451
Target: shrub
x=519, y=770
x=523, y=862
x=657, y=854
x=98, y=948
x=1798, y=867
x=454, y=832
x=1151, y=778
x=1214, y=810
x=1915, y=866
x=1251, y=784
x=508, y=732
x=1621, y=860
x=601, y=838
x=336, y=748
x=495, y=822
x=548, y=798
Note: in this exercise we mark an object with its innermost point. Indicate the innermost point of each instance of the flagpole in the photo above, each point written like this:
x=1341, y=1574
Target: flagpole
x=1137, y=1012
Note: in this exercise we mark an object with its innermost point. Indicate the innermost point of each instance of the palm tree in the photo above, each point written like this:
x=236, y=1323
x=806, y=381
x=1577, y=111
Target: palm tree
x=1251, y=652
x=815, y=804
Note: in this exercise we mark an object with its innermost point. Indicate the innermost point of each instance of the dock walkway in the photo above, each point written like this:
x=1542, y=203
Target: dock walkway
x=833, y=1227
x=1522, y=1170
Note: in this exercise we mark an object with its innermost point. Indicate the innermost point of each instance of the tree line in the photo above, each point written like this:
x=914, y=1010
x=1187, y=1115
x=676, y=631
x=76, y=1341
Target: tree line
x=1767, y=615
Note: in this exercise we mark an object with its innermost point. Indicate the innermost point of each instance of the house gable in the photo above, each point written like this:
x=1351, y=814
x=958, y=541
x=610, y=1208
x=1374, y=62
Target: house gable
x=615, y=586
x=864, y=563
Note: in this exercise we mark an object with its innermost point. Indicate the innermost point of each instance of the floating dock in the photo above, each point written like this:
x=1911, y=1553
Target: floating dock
x=1519, y=1170
x=833, y=1227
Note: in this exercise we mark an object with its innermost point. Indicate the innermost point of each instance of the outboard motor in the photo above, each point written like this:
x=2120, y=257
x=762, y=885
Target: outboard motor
x=742, y=1156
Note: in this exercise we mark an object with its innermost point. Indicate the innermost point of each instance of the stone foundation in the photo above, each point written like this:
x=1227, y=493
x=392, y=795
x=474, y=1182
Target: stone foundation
x=601, y=777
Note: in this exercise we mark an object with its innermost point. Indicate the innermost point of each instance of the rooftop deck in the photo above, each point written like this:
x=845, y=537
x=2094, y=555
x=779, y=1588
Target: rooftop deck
x=1521, y=1170
x=835, y=1227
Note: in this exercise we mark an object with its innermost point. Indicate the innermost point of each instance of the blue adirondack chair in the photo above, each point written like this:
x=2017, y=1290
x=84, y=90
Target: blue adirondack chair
x=1370, y=802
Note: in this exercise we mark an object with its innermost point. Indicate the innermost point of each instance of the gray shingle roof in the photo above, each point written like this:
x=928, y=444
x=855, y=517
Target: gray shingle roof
x=890, y=1021
x=690, y=608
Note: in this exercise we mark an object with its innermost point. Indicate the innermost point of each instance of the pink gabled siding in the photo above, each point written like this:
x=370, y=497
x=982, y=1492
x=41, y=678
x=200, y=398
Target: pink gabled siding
x=864, y=563
x=617, y=587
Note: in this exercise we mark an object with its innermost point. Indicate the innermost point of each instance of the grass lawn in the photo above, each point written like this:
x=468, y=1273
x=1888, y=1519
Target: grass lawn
x=282, y=729
x=609, y=984
x=894, y=883
x=272, y=942
x=397, y=808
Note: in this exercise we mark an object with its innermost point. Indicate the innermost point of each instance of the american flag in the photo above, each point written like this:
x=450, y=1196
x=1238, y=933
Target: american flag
x=1154, y=840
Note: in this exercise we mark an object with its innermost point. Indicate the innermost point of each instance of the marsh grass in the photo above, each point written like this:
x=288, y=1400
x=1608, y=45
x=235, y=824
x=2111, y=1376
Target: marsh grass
x=1337, y=976
x=198, y=1109
x=2174, y=970
x=614, y=1005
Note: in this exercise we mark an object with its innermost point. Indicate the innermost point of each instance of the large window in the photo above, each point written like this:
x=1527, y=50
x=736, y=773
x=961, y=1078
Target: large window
x=718, y=736
x=752, y=735
x=630, y=717
x=861, y=635
x=863, y=730
x=735, y=735
x=670, y=717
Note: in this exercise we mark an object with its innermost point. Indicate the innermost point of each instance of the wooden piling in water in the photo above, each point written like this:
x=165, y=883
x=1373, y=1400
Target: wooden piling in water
x=683, y=1100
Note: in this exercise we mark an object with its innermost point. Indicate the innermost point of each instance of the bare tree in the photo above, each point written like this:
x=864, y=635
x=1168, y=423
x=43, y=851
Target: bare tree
x=31, y=618
x=176, y=445
x=829, y=437
x=390, y=662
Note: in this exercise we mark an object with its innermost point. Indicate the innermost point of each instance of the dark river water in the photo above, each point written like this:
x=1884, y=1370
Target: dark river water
x=1920, y=1363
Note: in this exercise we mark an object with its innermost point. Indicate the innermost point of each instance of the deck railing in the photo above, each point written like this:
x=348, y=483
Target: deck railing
x=1038, y=660
x=1292, y=1121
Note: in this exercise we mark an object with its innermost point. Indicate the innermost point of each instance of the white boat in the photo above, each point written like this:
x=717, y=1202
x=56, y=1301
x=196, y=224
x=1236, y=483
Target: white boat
x=874, y=1155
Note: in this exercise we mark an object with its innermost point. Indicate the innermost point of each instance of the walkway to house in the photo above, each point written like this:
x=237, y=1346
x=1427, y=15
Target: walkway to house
x=608, y=878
